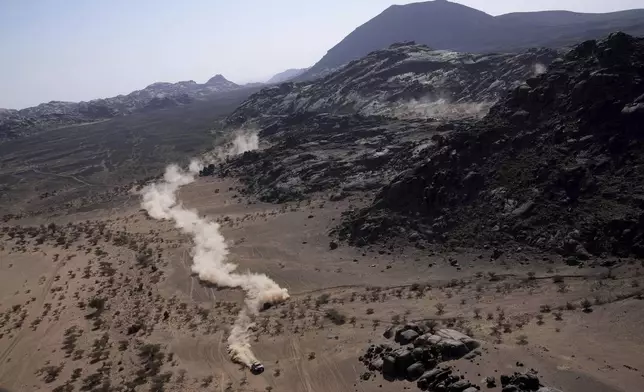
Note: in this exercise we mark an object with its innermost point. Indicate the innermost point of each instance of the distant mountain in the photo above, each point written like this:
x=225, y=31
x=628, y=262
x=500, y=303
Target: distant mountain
x=404, y=80
x=286, y=75
x=14, y=123
x=442, y=24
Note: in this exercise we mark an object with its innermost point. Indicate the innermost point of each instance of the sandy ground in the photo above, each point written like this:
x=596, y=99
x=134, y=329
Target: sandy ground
x=137, y=271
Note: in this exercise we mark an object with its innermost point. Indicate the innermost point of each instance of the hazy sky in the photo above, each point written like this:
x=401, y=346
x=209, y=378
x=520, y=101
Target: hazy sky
x=76, y=50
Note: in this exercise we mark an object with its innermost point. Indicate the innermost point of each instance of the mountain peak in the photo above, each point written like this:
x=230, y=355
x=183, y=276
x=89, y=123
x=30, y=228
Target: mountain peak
x=447, y=25
x=218, y=79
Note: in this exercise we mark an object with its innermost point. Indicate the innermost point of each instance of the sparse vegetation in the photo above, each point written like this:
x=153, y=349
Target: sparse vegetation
x=49, y=373
x=586, y=305
x=335, y=316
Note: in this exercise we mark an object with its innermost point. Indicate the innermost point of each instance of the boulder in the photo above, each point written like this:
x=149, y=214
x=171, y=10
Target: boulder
x=452, y=349
x=520, y=382
x=407, y=337
x=404, y=359
x=427, y=340
x=452, y=334
x=459, y=386
x=415, y=371
x=433, y=377
x=389, y=367
x=376, y=364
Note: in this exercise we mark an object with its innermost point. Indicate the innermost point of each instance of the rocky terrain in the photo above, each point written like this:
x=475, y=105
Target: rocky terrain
x=15, y=123
x=287, y=75
x=451, y=26
x=404, y=80
x=554, y=165
x=314, y=153
x=498, y=250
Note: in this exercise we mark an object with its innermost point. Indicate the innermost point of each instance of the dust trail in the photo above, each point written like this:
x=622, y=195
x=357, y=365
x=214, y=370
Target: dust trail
x=427, y=107
x=210, y=250
x=539, y=69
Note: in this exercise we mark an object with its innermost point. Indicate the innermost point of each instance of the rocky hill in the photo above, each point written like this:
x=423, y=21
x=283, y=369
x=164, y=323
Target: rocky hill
x=557, y=164
x=445, y=25
x=286, y=75
x=404, y=80
x=14, y=123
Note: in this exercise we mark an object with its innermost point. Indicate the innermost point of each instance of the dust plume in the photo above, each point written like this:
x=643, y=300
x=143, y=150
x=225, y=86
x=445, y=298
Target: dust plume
x=210, y=251
x=539, y=69
x=435, y=108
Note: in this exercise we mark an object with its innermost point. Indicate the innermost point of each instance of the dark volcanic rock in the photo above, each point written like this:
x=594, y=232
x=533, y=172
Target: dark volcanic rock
x=520, y=382
x=404, y=80
x=567, y=177
x=319, y=153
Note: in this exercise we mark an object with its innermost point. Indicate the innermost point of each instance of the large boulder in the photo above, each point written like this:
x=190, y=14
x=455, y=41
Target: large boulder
x=407, y=337
x=415, y=371
x=452, y=349
x=389, y=367
x=459, y=386
x=520, y=382
x=404, y=359
x=456, y=335
x=433, y=377
x=450, y=343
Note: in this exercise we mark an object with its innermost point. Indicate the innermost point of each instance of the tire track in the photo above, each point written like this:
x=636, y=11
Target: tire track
x=41, y=301
x=335, y=372
x=304, y=375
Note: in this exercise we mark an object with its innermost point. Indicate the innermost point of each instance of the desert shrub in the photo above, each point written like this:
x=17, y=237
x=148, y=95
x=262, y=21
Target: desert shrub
x=322, y=300
x=49, y=373
x=158, y=382
x=586, y=305
x=335, y=316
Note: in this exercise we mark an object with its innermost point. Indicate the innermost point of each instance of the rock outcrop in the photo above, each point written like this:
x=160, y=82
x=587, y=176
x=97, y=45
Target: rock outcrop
x=404, y=80
x=420, y=357
x=556, y=165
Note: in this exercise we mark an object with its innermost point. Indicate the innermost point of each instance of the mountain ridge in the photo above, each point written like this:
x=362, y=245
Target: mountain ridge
x=287, y=75
x=156, y=96
x=405, y=80
x=452, y=26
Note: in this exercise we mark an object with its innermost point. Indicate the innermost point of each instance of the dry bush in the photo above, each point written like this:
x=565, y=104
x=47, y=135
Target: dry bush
x=335, y=316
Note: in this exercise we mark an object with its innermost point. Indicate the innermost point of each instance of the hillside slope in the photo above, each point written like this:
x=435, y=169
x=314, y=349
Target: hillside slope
x=451, y=26
x=557, y=164
x=286, y=75
x=404, y=80
x=14, y=123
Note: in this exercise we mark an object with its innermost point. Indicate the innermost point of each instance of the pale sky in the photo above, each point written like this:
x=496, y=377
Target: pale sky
x=73, y=50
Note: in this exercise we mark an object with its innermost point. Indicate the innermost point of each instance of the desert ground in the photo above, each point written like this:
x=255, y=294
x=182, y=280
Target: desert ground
x=105, y=299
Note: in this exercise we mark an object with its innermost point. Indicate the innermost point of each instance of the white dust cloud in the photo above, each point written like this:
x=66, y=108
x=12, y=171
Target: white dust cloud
x=433, y=108
x=539, y=69
x=210, y=250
